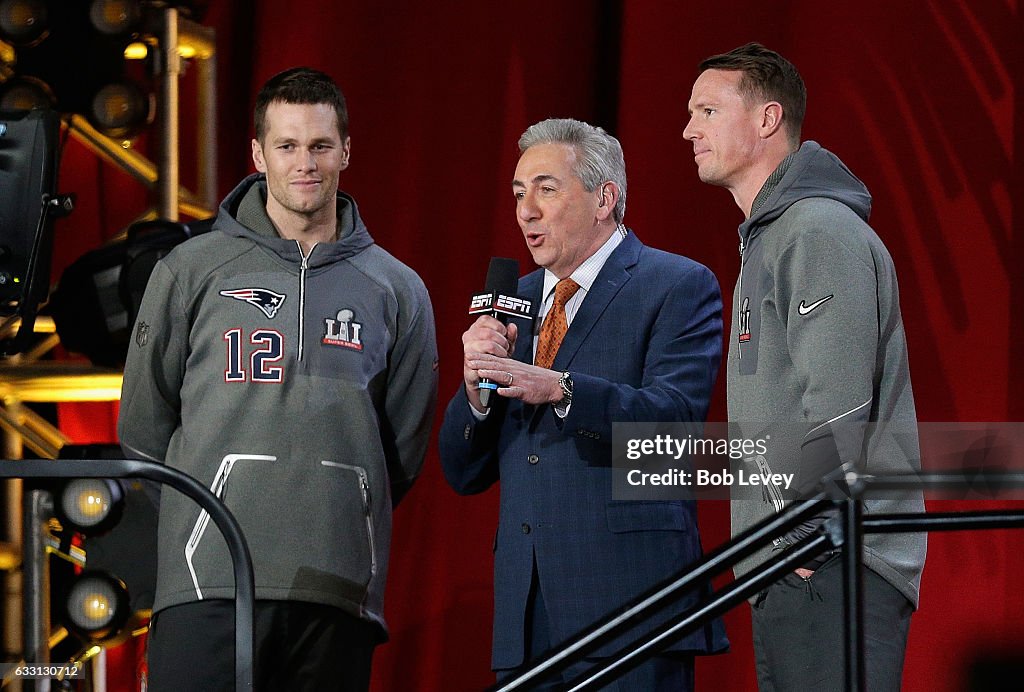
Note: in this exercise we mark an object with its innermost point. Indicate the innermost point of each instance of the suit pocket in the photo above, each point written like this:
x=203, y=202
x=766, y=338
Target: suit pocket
x=624, y=517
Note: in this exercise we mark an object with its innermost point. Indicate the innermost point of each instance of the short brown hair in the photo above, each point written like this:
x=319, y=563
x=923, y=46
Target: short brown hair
x=300, y=85
x=767, y=76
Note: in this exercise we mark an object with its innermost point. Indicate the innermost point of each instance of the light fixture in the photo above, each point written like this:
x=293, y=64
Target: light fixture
x=24, y=22
x=115, y=17
x=121, y=110
x=83, y=52
x=26, y=93
x=136, y=50
x=129, y=548
x=28, y=170
x=139, y=50
x=97, y=298
x=96, y=606
x=90, y=506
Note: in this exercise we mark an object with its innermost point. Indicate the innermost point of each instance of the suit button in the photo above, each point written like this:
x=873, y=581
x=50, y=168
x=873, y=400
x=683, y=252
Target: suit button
x=533, y=458
x=526, y=527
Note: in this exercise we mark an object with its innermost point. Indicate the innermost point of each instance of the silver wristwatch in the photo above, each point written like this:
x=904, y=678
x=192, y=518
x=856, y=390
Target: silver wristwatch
x=565, y=382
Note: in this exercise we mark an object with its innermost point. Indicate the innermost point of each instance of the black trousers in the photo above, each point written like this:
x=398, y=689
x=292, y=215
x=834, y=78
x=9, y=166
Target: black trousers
x=298, y=646
x=663, y=673
x=799, y=632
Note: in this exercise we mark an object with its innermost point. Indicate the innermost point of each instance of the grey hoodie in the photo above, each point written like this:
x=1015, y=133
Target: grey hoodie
x=818, y=355
x=300, y=389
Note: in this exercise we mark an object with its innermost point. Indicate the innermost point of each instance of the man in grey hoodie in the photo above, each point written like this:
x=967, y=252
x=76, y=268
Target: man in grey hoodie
x=817, y=362
x=288, y=363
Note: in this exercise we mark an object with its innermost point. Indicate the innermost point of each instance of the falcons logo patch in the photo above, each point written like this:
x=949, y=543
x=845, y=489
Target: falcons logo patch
x=267, y=301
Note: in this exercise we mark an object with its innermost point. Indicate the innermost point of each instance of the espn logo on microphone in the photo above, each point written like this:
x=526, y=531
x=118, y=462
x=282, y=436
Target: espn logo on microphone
x=480, y=302
x=513, y=306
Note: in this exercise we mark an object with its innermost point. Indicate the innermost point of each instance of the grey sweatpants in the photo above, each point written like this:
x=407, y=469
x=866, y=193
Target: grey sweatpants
x=799, y=633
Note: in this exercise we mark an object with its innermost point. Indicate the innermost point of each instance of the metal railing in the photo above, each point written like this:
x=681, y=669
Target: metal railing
x=843, y=491
x=228, y=525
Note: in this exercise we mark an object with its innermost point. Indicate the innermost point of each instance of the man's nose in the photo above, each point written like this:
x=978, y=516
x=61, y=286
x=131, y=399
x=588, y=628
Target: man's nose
x=307, y=160
x=527, y=210
x=690, y=132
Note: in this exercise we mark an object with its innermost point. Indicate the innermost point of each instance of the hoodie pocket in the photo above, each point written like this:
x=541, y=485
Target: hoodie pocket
x=770, y=492
x=200, y=555
x=360, y=482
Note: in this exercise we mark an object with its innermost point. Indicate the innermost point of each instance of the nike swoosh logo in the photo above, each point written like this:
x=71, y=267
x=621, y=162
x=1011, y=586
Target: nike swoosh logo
x=804, y=309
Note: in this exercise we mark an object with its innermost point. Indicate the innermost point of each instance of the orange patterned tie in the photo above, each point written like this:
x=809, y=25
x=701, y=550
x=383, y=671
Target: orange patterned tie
x=555, y=325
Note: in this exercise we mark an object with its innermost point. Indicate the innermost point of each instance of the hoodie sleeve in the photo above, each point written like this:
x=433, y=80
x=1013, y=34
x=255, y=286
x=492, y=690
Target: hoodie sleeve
x=826, y=295
x=411, y=392
x=151, y=391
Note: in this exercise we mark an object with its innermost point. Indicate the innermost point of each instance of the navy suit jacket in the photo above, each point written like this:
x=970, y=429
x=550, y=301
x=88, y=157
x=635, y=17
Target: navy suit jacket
x=644, y=346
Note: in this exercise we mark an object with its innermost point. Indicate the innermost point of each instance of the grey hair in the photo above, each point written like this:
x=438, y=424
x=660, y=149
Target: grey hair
x=598, y=155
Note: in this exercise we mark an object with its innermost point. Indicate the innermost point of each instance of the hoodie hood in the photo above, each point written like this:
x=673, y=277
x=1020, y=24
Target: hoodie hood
x=813, y=172
x=248, y=201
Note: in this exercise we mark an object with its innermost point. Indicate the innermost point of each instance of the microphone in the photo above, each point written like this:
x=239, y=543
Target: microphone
x=499, y=300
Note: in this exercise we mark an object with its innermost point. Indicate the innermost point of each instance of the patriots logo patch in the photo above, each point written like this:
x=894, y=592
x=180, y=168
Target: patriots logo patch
x=267, y=301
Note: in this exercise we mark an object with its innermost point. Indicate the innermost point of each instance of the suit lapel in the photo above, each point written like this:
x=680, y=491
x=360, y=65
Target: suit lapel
x=610, y=280
x=612, y=277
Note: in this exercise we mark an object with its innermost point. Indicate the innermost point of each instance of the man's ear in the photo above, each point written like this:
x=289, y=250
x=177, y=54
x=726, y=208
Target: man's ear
x=346, y=152
x=257, y=157
x=771, y=119
x=609, y=195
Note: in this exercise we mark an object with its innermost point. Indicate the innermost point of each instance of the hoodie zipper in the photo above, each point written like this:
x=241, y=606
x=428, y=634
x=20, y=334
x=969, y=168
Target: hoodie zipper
x=364, y=485
x=302, y=294
x=770, y=493
x=739, y=297
x=364, y=491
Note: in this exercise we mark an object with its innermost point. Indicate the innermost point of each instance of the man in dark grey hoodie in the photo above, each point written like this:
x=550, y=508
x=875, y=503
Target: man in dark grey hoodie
x=817, y=362
x=289, y=363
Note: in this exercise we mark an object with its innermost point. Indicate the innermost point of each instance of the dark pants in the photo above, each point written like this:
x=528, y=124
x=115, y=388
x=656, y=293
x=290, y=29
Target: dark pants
x=666, y=673
x=799, y=633
x=298, y=646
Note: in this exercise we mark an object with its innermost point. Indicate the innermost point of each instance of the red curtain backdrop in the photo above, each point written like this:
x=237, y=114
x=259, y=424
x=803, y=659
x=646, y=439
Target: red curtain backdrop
x=920, y=100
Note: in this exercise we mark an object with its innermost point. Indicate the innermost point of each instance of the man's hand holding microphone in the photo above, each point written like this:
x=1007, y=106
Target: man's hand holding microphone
x=490, y=341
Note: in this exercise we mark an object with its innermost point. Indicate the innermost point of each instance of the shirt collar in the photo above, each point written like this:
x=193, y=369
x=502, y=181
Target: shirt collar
x=586, y=273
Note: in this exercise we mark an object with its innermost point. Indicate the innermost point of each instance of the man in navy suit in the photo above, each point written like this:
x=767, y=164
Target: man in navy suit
x=626, y=333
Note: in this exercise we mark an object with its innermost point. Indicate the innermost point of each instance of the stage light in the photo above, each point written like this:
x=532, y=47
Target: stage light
x=96, y=606
x=121, y=110
x=25, y=93
x=83, y=51
x=90, y=506
x=97, y=298
x=23, y=22
x=129, y=548
x=136, y=50
x=28, y=169
x=115, y=17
